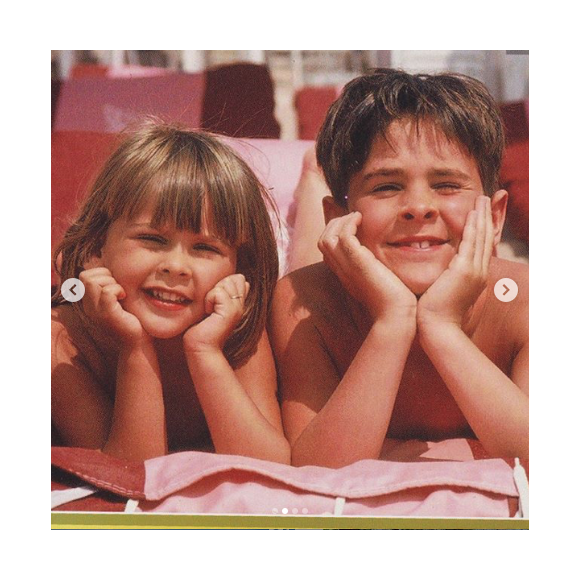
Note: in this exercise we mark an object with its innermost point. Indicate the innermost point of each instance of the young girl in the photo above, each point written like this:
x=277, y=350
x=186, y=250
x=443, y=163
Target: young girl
x=167, y=349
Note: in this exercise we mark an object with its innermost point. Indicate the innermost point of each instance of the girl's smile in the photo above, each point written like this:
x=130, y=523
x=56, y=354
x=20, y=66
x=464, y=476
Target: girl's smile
x=165, y=273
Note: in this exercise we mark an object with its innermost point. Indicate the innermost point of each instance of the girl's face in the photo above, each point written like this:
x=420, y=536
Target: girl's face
x=166, y=273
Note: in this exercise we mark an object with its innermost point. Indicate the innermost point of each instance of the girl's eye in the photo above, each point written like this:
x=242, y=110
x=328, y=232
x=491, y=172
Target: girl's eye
x=207, y=248
x=152, y=238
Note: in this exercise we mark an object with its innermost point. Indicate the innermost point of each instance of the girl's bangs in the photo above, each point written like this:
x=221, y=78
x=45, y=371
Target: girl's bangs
x=180, y=195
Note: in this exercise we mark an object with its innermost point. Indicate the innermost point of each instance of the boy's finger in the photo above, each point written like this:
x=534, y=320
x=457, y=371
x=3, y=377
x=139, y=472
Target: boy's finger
x=332, y=231
x=480, y=231
x=489, y=236
x=467, y=246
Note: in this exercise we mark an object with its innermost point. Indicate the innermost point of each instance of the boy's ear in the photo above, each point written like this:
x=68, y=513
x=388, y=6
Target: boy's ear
x=332, y=209
x=498, y=211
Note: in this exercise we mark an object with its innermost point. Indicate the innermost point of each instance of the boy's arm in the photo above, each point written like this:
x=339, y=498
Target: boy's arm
x=495, y=405
x=329, y=421
x=240, y=406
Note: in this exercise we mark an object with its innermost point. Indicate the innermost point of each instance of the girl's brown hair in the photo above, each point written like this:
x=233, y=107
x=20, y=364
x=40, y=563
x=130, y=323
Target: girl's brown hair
x=459, y=105
x=189, y=174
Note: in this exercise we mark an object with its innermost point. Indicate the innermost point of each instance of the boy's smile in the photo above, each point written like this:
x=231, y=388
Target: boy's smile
x=414, y=193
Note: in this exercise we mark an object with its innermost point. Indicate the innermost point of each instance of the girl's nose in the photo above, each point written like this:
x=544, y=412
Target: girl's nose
x=175, y=263
x=419, y=205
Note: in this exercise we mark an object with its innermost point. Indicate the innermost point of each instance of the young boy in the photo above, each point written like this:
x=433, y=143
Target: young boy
x=398, y=333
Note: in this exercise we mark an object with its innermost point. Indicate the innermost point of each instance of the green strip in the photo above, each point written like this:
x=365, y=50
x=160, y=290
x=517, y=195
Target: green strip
x=69, y=521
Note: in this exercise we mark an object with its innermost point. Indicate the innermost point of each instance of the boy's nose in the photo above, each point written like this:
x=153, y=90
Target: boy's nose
x=419, y=205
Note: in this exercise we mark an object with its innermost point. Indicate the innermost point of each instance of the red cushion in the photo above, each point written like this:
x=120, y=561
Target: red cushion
x=311, y=104
x=515, y=178
x=76, y=158
x=236, y=100
x=239, y=101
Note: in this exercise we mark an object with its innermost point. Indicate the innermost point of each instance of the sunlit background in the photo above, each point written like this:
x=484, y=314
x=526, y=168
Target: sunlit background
x=274, y=94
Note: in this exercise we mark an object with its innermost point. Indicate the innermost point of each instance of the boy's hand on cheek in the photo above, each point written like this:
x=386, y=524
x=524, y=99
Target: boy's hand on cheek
x=224, y=305
x=101, y=304
x=458, y=287
x=362, y=274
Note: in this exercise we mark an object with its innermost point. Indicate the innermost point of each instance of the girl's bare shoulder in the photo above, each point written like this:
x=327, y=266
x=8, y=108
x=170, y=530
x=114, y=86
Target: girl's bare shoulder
x=73, y=343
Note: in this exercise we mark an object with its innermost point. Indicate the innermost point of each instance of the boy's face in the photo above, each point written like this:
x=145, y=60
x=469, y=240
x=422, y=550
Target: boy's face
x=414, y=195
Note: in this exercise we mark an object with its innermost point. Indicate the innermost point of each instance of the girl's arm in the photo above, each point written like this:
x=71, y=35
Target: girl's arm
x=240, y=406
x=85, y=416
x=138, y=429
x=137, y=422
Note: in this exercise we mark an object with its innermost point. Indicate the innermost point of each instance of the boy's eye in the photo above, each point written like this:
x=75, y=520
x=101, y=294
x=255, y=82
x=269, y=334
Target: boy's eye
x=387, y=188
x=447, y=188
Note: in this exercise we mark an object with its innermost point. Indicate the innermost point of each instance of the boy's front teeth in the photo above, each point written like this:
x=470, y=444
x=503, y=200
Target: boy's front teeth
x=422, y=245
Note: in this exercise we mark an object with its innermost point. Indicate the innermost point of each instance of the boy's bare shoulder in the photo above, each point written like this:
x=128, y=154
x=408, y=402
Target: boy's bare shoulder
x=514, y=314
x=517, y=271
x=307, y=291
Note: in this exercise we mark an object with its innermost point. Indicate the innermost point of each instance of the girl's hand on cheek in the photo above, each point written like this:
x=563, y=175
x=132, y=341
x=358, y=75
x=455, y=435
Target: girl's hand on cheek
x=362, y=274
x=458, y=287
x=101, y=304
x=224, y=306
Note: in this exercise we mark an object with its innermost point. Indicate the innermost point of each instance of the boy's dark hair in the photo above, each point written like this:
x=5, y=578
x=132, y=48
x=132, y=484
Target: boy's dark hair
x=459, y=105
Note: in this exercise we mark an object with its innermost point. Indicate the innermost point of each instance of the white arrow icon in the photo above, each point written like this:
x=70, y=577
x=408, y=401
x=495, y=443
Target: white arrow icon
x=505, y=290
x=72, y=290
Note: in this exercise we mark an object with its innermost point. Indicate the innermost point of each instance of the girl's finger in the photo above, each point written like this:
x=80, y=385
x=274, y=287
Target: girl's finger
x=239, y=282
x=90, y=272
x=233, y=285
x=110, y=297
x=102, y=280
x=210, y=300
